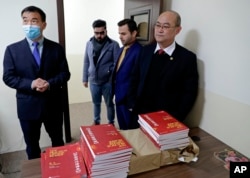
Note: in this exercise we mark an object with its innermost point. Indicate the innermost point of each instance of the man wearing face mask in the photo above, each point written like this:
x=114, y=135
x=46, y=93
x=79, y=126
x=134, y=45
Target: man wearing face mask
x=37, y=68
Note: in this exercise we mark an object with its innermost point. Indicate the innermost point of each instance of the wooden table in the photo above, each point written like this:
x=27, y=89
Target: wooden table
x=207, y=165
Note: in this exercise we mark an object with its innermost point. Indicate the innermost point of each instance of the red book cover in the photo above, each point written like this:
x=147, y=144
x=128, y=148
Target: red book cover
x=42, y=165
x=63, y=162
x=103, y=166
x=163, y=125
x=169, y=144
x=105, y=142
x=88, y=158
x=150, y=137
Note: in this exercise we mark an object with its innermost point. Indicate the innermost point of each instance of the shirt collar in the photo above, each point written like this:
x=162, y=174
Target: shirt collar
x=169, y=50
x=40, y=41
x=127, y=46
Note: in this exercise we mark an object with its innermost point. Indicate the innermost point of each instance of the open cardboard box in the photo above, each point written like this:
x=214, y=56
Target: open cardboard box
x=146, y=156
x=184, y=154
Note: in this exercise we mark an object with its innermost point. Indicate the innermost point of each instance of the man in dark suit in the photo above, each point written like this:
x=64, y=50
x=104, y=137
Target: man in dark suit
x=38, y=80
x=166, y=75
x=121, y=76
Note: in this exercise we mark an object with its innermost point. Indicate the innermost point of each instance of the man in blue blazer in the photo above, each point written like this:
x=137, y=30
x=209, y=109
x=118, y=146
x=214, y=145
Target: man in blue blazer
x=39, y=83
x=121, y=77
x=166, y=75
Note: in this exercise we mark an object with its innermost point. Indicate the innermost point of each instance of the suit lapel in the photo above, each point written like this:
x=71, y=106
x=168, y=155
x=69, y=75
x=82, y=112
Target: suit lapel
x=104, y=50
x=26, y=50
x=147, y=58
x=118, y=57
x=171, y=66
x=128, y=54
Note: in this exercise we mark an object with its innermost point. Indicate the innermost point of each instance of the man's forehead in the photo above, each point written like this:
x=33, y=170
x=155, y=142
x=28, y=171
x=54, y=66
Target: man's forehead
x=99, y=28
x=31, y=15
x=167, y=17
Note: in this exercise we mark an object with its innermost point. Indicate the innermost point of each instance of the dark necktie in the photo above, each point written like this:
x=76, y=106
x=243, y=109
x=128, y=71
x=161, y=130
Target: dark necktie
x=161, y=52
x=36, y=53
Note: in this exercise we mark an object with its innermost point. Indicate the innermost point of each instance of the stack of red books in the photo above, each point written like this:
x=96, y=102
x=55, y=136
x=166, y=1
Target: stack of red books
x=164, y=130
x=106, y=152
x=63, y=162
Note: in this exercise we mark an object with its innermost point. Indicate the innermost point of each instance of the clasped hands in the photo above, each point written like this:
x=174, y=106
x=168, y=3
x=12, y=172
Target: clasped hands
x=40, y=85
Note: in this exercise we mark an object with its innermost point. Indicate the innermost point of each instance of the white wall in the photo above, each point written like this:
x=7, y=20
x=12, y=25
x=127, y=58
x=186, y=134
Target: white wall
x=79, y=17
x=218, y=32
x=11, y=138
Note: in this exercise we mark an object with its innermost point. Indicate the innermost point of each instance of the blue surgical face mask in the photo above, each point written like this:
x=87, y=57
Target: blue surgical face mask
x=32, y=31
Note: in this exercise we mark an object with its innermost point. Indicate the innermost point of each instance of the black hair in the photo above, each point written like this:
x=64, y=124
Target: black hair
x=99, y=23
x=132, y=26
x=35, y=9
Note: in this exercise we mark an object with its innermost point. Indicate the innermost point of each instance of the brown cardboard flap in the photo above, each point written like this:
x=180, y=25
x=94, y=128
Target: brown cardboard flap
x=146, y=156
x=187, y=154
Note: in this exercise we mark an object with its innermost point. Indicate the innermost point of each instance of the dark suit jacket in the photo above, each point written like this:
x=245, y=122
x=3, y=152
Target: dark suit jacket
x=122, y=76
x=180, y=81
x=20, y=69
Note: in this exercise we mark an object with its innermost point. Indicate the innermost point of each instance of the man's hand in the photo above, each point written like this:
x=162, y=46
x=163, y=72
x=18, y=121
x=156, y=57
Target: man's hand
x=85, y=84
x=40, y=85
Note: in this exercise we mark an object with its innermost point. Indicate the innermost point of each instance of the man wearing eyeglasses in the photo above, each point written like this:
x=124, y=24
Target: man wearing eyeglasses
x=99, y=60
x=166, y=75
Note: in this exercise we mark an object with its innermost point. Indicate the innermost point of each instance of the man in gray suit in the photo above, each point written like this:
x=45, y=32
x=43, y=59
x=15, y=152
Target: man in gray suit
x=99, y=60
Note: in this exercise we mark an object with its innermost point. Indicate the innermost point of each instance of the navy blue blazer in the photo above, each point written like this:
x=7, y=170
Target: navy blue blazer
x=122, y=76
x=20, y=69
x=180, y=81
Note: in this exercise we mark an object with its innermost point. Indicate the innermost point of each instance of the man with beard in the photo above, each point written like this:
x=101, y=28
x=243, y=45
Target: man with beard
x=126, y=59
x=99, y=59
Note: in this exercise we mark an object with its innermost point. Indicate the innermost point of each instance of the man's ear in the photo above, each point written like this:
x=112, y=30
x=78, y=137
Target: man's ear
x=134, y=33
x=44, y=25
x=177, y=30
